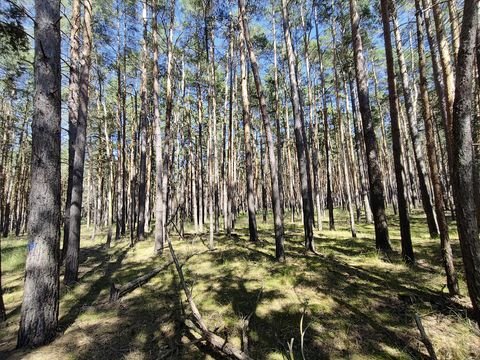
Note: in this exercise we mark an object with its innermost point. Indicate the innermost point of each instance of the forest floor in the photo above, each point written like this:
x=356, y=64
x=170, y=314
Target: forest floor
x=353, y=304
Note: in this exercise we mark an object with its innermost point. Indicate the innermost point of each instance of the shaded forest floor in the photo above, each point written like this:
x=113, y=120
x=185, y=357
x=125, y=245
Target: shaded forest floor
x=354, y=305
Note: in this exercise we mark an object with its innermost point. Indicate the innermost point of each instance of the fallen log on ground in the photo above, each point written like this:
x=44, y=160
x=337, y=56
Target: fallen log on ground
x=118, y=292
x=213, y=340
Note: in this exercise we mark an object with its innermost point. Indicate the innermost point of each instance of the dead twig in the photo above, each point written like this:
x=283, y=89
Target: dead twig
x=424, y=337
x=215, y=341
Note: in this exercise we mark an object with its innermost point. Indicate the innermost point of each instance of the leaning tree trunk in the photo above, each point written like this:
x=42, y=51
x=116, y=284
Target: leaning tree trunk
x=418, y=151
x=463, y=154
x=39, y=314
x=73, y=249
x=447, y=256
x=300, y=136
x=274, y=175
x=377, y=198
x=406, y=240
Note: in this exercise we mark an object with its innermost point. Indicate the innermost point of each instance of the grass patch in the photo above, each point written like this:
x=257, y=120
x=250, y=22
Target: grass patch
x=355, y=305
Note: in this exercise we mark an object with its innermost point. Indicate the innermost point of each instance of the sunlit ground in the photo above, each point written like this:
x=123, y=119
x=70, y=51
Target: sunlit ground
x=354, y=305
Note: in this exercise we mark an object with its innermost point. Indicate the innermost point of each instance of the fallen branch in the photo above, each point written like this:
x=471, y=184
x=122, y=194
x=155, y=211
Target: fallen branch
x=118, y=292
x=215, y=341
x=425, y=339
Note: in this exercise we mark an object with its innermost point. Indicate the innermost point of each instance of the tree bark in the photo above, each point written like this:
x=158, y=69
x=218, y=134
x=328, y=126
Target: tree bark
x=406, y=240
x=447, y=256
x=272, y=157
x=377, y=198
x=39, y=313
x=252, y=220
x=463, y=154
x=159, y=225
x=448, y=76
x=418, y=151
x=73, y=93
x=343, y=153
x=73, y=249
x=300, y=135
x=142, y=181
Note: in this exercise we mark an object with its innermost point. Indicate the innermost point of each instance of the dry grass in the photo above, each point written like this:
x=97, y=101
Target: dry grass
x=355, y=305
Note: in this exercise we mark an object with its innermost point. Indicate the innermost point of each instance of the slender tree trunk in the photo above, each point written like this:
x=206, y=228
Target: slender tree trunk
x=300, y=135
x=39, y=313
x=73, y=249
x=252, y=220
x=377, y=198
x=110, y=170
x=454, y=27
x=463, y=154
x=326, y=139
x=73, y=93
x=448, y=76
x=159, y=225
x=272, y=157
x=406, y=240
x=3, y=314
x=277, y=113
x=231, y=147
x=447, y=256
x=142, y=181
x=418, y=151
x=343, y=154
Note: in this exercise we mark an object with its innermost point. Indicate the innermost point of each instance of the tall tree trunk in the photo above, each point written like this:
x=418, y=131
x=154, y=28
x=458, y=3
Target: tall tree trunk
x=448, y=76
x=277, y=111
x=343, y=153
x=447, y=257
x=252, y=220
x=463, y=154
x=406, y=240
x=73, y=92
x=111, y=185
x=3, y=314
x=377, y=198
x=73, y=249
x=39, y=313
x=231, y=147
x=159, y=225
x=412, y=123
x=167, y=146
x=300, y=135
x=142, y=176
x=326, y=137
x=272, y=158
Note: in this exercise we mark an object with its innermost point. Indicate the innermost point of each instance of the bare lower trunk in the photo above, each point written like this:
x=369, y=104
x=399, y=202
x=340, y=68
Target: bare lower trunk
x=252, y=220
x=72, y=254
x=274, y=175
x=377, y=198
x=463, y=155
x=447, y=257
x=406, y=240
x=39, y=313
x=300, y=135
